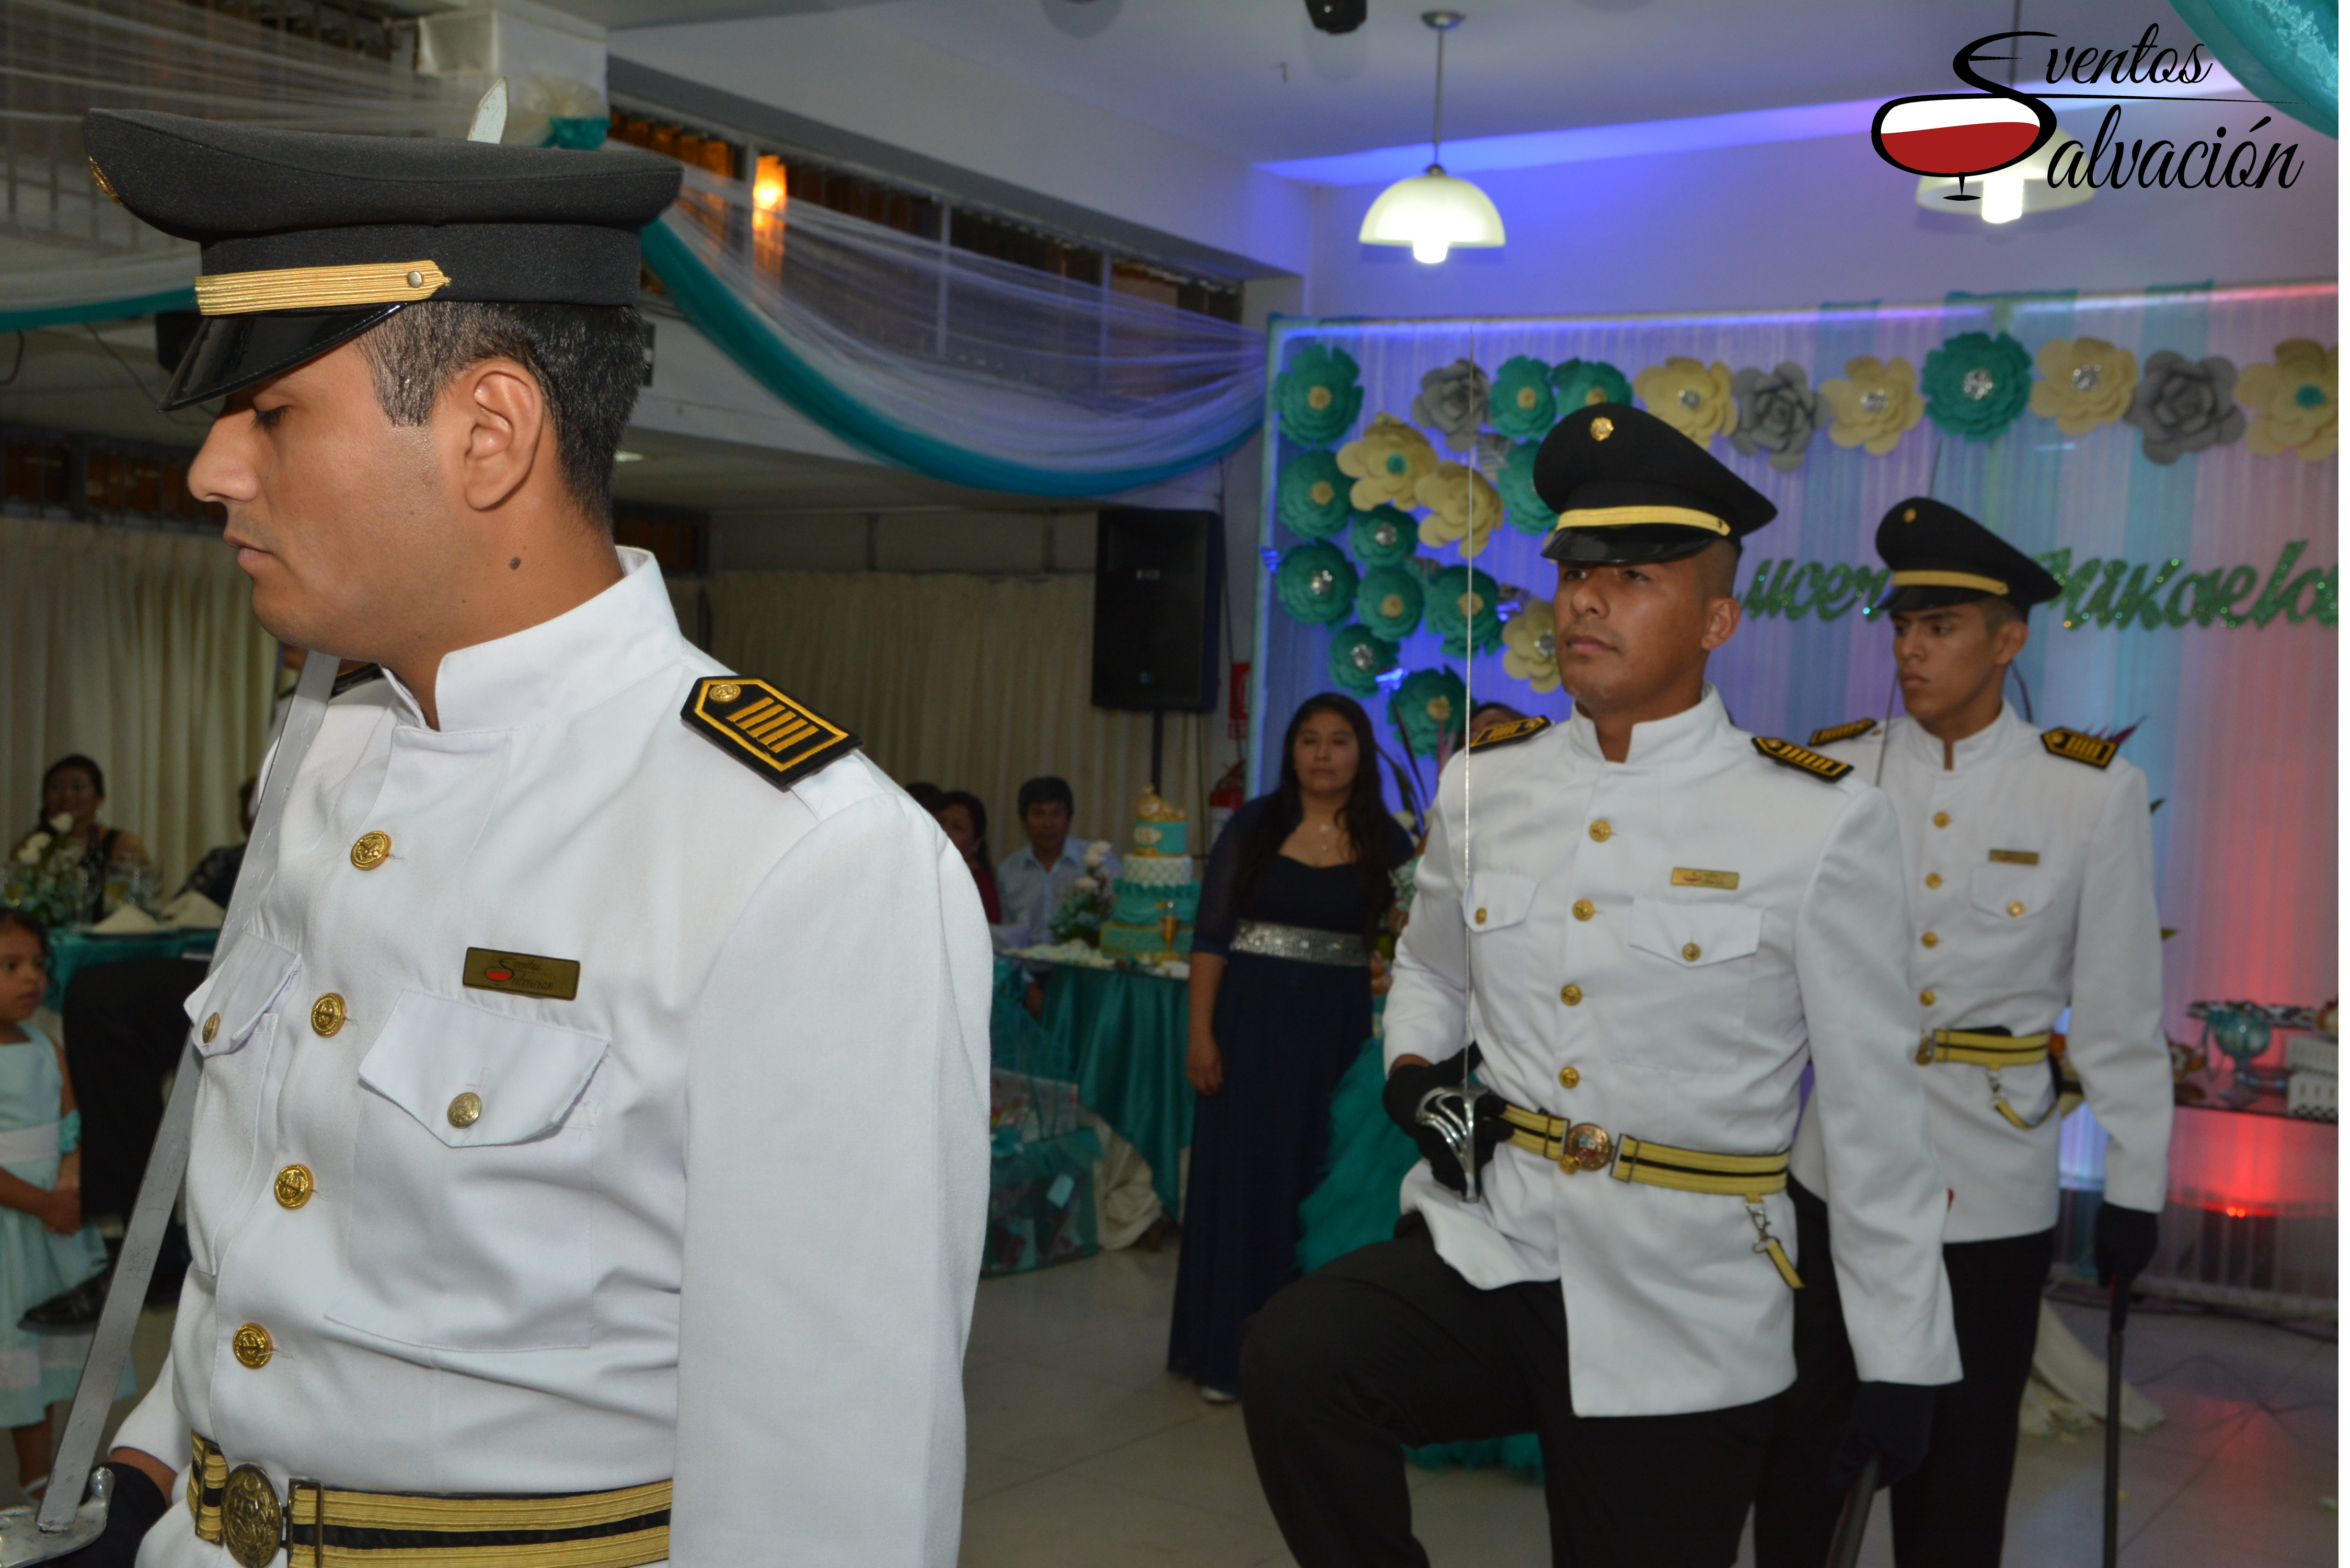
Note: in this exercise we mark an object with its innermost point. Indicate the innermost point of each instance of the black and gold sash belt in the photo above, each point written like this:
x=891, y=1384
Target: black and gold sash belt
x=1993, y=1052
x=1586, y=1147
x=317, y=1526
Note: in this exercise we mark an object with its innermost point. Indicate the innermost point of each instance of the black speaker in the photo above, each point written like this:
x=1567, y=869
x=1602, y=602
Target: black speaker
x=1157, y=578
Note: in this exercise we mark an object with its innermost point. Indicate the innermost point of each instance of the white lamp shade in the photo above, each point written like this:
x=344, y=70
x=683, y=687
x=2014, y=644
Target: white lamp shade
x=2017, y=190
x=1432, y=213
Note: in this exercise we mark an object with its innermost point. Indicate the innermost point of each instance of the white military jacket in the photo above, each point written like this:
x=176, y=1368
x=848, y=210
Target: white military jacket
x=718, y=1217
x=1603, y=988
x=2030, y=882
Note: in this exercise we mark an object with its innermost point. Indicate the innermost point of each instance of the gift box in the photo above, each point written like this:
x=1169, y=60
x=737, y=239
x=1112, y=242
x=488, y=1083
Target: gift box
x=1040, y=1202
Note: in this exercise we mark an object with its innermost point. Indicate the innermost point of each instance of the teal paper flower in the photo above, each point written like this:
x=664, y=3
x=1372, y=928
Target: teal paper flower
x=1521, y=405
x=1316, y=397
x=1582, y=382
x=1316, y=583
x=1976, y=385
x=1389, y=602
x=1429, y=704
x=1384, y=535
x=1311, y=499
x=1520, y=503
x=1357, y=659
x=1464, y=607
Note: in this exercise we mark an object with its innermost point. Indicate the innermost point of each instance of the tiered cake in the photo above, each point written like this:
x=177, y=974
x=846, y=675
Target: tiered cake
x=1157, y=897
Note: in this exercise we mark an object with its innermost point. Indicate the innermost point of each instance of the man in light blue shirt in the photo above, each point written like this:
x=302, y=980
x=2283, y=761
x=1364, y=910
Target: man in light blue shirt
x=1035, y=878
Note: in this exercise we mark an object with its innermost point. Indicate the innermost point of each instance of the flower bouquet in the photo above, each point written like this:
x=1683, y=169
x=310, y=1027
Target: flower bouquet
x=45, y=878
x=1087, y=902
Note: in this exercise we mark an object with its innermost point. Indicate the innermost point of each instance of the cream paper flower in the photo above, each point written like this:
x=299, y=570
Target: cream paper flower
x=61, y=823
x=1530, y=645
x=1387, y=463
x=1463, y=508
x=2292, y=401
x=1876, y=403
x=2084, y=382
x=1689, y=395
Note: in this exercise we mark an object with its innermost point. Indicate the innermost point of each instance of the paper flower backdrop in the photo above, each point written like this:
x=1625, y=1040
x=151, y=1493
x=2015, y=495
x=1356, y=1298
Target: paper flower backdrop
x=2183, y=405
x=1317, y=397
x=1777, y=413
x=1311, y=498
x=1464, y=607
x=1521, y=405
x=1316, y=583
x=1383, y=536
x=1976, y=384
x=1387, y=463
x=1582, y=382
x=1530, y=645
x=1452, y=398
x=1359, y=657
x=1429, y=704
x=1390, y=601
x=2084, y=382
x=1521, y=503
x=1875, y=404
x=1462, y=507
x=1691, y=396
x=2292, y=401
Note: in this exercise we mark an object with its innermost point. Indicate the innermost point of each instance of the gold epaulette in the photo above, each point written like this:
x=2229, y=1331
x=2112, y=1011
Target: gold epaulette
x=781, y=741
x=1834, y=733
x=1507, y=733
x=2076, y=747
x=1788, y=754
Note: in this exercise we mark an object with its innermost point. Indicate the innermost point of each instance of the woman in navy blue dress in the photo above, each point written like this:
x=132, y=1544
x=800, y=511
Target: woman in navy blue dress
x=1296, y=890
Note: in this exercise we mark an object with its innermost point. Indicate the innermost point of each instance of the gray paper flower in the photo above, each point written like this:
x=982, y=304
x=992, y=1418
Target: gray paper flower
x=1777, y=413
x=2184, y=405
x=1453, y=402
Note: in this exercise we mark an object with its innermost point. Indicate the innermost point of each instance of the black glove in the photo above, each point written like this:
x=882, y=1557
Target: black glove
x=1408, y=1085
x=2125, y=1246
x=1891, y=1420
x=138, y=1503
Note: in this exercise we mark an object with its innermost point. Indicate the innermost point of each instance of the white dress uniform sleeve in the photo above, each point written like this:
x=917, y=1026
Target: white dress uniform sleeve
x=836, y=1171
x=155, y=1424
x=2115, y=1044
x=1885, y=1193
x=1428, y=1006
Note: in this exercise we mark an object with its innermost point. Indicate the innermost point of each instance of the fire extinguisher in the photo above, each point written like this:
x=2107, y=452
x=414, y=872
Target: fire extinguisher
x=1225, y=799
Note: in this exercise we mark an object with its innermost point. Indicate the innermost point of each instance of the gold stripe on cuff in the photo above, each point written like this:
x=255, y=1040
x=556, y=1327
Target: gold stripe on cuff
x=318, y=287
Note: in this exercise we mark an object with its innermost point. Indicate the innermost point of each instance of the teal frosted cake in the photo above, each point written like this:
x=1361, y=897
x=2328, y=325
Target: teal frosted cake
x=1157, y=897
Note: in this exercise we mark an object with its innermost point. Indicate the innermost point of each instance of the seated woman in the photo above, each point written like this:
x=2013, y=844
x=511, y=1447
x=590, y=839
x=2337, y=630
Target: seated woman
x=964, y=819
x=114, y=863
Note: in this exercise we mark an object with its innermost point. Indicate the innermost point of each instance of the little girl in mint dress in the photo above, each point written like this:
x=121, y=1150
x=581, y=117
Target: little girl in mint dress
x=39, y=1131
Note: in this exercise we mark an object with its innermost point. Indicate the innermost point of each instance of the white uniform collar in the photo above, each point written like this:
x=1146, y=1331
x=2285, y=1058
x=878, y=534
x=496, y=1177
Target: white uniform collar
x=1996, y=738
x=559, y=667
x=1660, y=743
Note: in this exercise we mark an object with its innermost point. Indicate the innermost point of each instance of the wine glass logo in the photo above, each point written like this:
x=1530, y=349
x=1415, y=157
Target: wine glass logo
x=1963, y=133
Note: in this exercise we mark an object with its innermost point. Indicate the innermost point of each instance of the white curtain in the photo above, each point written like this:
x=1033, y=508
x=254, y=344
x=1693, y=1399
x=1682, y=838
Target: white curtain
x=964, y=681
x=139, y=651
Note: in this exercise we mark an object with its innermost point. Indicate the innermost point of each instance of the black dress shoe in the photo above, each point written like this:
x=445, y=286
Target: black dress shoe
x=72, y=1310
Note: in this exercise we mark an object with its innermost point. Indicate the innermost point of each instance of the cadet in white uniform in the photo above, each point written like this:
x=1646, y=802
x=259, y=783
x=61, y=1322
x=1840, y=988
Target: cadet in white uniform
x=2030, y=870
x=1648, y=922
x=589, y=1161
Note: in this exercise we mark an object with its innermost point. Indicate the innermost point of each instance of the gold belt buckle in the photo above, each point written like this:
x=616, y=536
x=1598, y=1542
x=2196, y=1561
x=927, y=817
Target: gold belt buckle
x=1586, y=1147
x=252, y=1525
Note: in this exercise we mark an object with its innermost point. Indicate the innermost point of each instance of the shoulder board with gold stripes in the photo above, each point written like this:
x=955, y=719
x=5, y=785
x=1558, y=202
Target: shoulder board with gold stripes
x=1507, y=733
x=1834, y=733
x=782, y=740
x=1788, y=754
x=2076, y=747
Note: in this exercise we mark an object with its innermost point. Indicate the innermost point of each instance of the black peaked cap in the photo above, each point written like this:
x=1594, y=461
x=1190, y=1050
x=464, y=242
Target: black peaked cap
x=404, y=219
x=1940, y=557
x=1629, y=487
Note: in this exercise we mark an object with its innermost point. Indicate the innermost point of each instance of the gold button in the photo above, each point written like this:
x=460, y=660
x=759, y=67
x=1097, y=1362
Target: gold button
x=1600, y=831
x=1569, y=1076
x=416, y=280
x=2015, y=907
x=1480, y=916
x=1941, y=819
x=1930, y=939
x=1925, y=1050
x=293, y=1187
x=1927, y=997
x=1602, y=428
x=326, y=1014
x=251, y=1345
x=211, y=1029
x=1585, y=909
x=371, y=850
x=725, y=692
x=1933, y=878
x=1908, y=515
x=466, y=1109
x=1570, y=994
x=1693, y=952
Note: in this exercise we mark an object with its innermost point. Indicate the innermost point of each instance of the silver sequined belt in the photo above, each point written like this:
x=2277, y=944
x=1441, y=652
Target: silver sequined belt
x=1303, y=943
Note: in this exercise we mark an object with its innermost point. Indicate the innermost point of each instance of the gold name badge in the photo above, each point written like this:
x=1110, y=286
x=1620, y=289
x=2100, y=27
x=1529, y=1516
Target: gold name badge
x=488, y=969
x=2015, y=857
x=1686, y=877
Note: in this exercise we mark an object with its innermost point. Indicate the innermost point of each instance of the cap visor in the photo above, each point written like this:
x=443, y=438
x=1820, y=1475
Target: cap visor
x=1630, y=545
x=1912, y=596
x=230, y=352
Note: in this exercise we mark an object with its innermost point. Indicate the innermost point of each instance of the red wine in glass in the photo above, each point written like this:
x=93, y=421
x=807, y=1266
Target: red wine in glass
x=1964, y=134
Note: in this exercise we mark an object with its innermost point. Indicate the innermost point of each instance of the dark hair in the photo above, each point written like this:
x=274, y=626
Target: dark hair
x=1044, y=790
x=10, y=915
x=969, y=802
x=929, y=796
x=96, y=774
x=1489, y=706
x=1369, y=829
x=587, y=359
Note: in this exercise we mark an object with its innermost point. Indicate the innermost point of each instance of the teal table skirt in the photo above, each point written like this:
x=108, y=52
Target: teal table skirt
x=1128, y=1034
x=72, y=951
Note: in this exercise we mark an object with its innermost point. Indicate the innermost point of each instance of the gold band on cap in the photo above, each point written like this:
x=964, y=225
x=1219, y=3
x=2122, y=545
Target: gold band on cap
x=1949, y=580
x=1626, y=516
x=319, y=287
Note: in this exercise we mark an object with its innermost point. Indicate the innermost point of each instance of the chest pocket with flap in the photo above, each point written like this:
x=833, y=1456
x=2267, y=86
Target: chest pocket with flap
x=1496, y=900
x=1701, y=1012
x=225, y=1009
x=2010, y=895
x=473, y=1186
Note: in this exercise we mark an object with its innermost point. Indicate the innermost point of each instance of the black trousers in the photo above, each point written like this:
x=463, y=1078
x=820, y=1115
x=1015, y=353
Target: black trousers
x=1952, y=1512
x=124, y=1030
x=1388, y=1346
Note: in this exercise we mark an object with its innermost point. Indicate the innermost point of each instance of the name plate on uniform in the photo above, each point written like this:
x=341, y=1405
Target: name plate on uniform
x=2015, y=857
x=487, y=969
x=1687, y=876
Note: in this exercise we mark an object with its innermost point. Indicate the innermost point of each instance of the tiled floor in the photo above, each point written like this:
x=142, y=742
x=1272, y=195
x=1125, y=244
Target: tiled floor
x=1084, y=1451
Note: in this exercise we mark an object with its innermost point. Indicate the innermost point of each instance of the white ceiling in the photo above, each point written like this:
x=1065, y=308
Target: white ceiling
x=1252, y=78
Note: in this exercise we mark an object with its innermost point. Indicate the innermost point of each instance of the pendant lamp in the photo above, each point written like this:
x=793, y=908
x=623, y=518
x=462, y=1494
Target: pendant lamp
x=1434, y=211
